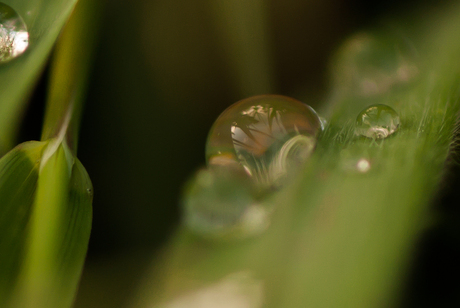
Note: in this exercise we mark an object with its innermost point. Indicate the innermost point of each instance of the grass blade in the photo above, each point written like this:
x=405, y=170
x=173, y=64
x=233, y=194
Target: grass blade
x=18, y=183
x=338, y=238
x=44, y=20
x=52, y=222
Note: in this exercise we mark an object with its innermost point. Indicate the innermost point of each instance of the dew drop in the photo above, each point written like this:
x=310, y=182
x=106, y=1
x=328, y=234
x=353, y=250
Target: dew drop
x=363, y=165
x=353, y=160
x=377, y=122
x=269, y=136
x=221, y=201
x=14, y=38
x=370, y=64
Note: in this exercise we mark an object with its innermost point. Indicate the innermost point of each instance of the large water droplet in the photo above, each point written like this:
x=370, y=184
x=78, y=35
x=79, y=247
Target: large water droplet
x=14, y=38
x=377, y=122
x=367, y=64
x=221, y=201
x=270, y=136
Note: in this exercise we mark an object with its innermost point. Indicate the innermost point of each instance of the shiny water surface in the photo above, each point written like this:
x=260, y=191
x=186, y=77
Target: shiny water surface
x=269, y=136
x=221, y=202
x=377, y=122
x=14, y=38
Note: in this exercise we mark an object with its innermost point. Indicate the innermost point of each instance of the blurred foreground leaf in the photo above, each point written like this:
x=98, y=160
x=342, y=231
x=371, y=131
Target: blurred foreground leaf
x=52, y=223
x=45, y=192
x=339, y=237
x=44, y=20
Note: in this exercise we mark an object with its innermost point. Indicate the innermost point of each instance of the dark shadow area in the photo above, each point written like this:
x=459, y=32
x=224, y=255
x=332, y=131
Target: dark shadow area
x=32, y=122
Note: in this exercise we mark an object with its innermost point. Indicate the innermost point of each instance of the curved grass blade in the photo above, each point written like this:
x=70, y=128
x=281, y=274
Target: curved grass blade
x=18, y=183
x=50, y=251
x=338, y=238
x=44, y=20
x=70, y=68
x=58, y=235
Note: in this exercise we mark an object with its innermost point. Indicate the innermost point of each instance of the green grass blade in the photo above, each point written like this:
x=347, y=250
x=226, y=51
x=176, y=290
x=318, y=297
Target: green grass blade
x=46, y=218
x=70, y=68
x=46, y=194
x=39, y=278
x=44, y=20
x=18, y=183
x=338, y=238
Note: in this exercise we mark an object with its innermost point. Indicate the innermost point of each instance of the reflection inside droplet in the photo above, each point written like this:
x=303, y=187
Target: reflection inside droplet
x=14, y=38
x=221, y=201
x=371, y=64
x=377, y=122
x=269, y=136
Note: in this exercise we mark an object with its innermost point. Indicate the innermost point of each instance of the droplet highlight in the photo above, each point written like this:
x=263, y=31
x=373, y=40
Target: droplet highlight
x=14, y=38
x=323, y=122
x=363, y=165
x=371, y=64
x=377, y=122
x=220, y=202
x=269, y=136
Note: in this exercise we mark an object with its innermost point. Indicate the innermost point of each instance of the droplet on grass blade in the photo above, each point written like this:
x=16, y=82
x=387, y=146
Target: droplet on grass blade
x=353, y=160
x=221, y=201
x=269, y=136
x=370, y=64
x=14, y=38
x=377, y=122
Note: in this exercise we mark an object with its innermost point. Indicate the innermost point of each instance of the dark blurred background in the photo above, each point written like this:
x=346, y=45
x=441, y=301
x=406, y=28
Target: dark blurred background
x=163, y=71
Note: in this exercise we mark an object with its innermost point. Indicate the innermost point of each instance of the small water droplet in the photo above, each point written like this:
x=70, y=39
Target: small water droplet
x=377, y=122
x=370, y=64
x=221, y=201
x=352, y=160
x=14, y=38
x=363, y=165
x=268, y=136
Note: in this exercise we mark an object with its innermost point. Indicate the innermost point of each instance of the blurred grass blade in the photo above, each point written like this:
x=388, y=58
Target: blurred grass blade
x=44, y=20
x=245, y=36
x=18, y=183
x=70, y=67
x=50, y=227
x=38, y=278
x=59, y=230
x=339, y=238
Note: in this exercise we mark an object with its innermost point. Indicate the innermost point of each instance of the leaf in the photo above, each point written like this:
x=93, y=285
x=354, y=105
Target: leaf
x=44, y=20
x=45, y=224
x=70, y=68
x=338, y=237
x=48, y=233
x=58, y=235
x=18, y=183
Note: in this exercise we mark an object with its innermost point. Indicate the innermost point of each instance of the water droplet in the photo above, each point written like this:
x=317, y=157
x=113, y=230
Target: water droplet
x=368, y=64
x=221, y=201
x=363, y=165
x=353, y=160
x=269, y=136
x=14, y=38
x=377, y=122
